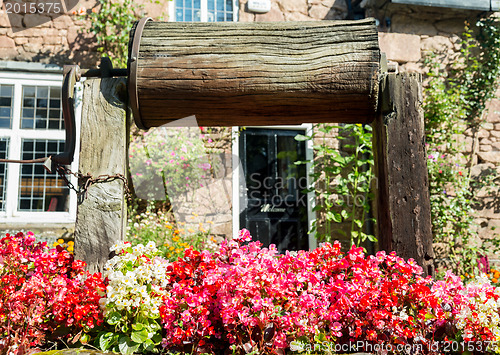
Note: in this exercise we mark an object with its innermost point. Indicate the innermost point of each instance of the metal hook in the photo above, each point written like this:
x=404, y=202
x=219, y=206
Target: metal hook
x=71, y=76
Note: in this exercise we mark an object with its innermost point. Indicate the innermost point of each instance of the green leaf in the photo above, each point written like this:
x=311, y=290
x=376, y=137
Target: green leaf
x=126, y=346
x=148, y=345
x=124, y=328
x=301, y=137
x=156, y=338
x=153, y=325
x=137, y=326
x=139, y=336
x=114, y=318
x=106, y=340
x=333, y=216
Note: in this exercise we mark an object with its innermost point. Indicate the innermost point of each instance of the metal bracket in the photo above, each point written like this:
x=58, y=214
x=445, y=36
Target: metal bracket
x=73, y=74
x=134, y=45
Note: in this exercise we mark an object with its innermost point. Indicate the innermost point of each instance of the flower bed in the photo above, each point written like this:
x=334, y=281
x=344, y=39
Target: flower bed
x=45, y=295
x=244, y=298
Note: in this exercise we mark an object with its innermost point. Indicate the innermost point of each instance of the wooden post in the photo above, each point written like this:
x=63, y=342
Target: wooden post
x=102, y=215
x=403, y=203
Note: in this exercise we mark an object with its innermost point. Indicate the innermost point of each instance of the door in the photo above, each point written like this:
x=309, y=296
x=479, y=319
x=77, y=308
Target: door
x=275, y=204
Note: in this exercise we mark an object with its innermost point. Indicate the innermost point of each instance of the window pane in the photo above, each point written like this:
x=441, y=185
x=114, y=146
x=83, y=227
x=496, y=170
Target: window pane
x=6, y=100
x=36, y=100
x=6, y=90
x=41, y=124
x=29, y=91
x=4, y=123
x=40, y=191
x=55, y=93
x=217, y=10
x=27, y=123
x=41, y=103
x=28, y=112
x=29, y=102
x=53, y=124
x=197, y=16
x=42, y=91
x=41, y=114
x=55, y=103
x=4, y=146
x=179, y=16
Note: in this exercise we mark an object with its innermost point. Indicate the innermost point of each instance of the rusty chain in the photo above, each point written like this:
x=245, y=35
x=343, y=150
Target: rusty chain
x=85, y=181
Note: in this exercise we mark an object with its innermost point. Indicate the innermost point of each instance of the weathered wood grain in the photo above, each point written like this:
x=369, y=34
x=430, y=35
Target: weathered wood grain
x=403, y=203
x=229, y=74
x=101, y=217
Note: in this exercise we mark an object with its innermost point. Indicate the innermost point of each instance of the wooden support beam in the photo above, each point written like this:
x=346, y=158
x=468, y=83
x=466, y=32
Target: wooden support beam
x=102, y=215
x=242, y=74
x=403, y=203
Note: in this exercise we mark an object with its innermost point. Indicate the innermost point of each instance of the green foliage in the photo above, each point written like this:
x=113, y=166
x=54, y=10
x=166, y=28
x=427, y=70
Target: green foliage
x=111, y=22
x=136, y=278
x=454, y=103
x=170, y=238
x=342, y=179
x=480, y=76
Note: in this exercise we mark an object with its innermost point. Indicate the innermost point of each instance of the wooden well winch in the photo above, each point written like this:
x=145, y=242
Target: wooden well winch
x=241, y=74
x=257, y=74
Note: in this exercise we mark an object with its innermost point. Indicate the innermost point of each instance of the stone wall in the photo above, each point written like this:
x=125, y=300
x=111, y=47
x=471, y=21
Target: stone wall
x=297, y=10
x=61, y=40
x=407, y=35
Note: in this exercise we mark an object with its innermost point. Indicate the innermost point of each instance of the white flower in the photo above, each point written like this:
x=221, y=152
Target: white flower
x=120, y=245
x=495, y=318
x=128, y=280
x=496, y=333
x=102, y=302
x=482, y=318
x=138, y=249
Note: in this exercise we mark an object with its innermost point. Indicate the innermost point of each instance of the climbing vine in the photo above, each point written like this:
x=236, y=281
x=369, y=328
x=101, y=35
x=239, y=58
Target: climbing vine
x=111, y=22
x=342, y=179
x=455, y=102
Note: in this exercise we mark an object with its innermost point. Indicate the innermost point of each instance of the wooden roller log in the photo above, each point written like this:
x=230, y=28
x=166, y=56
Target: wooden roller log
x=245, y=74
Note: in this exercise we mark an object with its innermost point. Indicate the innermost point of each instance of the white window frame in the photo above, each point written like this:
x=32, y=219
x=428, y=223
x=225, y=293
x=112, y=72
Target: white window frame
x=16, y=135
x=204, y=11
x=238, y=180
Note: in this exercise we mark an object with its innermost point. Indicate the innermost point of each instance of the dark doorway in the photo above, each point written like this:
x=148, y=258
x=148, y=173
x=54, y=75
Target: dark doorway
x=275, y=204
